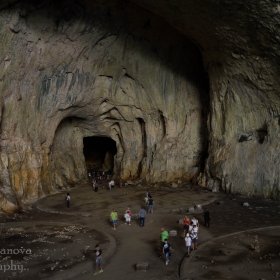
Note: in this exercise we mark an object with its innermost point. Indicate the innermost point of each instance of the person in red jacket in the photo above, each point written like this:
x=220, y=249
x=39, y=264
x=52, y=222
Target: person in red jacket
x=186, y=226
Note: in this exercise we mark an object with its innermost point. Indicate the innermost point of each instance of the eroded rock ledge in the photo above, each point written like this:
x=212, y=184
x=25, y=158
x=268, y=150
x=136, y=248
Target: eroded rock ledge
x=186, y=90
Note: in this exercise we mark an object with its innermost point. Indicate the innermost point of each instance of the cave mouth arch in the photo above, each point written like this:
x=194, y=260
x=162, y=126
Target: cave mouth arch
x=99, y=153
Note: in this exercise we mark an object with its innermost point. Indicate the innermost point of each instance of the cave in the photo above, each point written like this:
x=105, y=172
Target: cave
x=181, y=97
x=99, y=153
x=185, y=89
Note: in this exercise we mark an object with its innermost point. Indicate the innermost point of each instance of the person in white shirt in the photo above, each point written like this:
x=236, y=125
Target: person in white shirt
x=195, y=229
x=188, y=241
x=127, y=216
x=195, y=222
x=194, y=237
x=112, y=184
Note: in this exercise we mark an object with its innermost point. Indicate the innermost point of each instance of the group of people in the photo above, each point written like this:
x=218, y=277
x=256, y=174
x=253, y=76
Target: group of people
x=114, y=218
x=111, y=184
x=190, y=234
x=128, y=215
x=97, y=178
x=141, y=216
x=101, y=175
x=95, y=185
x=149, y=208
x=191, y=229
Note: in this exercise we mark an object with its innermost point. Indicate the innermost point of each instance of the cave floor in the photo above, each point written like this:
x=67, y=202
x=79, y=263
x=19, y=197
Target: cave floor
x=50, y=241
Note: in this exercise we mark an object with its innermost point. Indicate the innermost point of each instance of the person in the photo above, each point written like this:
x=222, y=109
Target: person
x=164, y=235
x=206, y=218
x=186, y=225
x=193, y=236
x=148, y=193
x=114, y=218
x=151, y=205
x=195, y=221
x=67, y=198
x=166, y=250
x=94, y=185
x=121, y=183
x=128, y=215
x=98, y=260
x=142, y=215
x=147, y=202
x=188, y=242
x=112, y=184
x=195, y=229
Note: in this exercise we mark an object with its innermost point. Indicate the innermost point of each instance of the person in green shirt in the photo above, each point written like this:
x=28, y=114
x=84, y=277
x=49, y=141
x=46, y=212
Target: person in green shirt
x=114, y=218
x=164, y=235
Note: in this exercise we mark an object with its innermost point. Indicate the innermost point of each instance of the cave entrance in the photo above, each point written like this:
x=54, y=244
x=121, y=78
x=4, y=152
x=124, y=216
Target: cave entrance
x=99, y=153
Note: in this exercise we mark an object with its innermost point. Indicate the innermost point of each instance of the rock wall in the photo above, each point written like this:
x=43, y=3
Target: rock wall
x=239, y=41
x=187, y=89
x=95, y=68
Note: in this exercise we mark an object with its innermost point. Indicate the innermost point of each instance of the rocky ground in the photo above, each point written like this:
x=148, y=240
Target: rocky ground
x=50, y=241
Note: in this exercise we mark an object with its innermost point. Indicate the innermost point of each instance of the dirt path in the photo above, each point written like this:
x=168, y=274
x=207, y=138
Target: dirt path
x=62, y=240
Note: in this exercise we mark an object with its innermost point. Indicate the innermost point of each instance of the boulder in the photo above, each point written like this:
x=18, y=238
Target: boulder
x=142, y=266
x=173, y=233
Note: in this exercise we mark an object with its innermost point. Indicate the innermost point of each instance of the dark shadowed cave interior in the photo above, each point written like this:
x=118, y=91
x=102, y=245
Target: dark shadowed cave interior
x=99, y=153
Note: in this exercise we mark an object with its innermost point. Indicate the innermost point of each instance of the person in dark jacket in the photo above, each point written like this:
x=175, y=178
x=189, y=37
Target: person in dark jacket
x=67, y=198
x=207, y=218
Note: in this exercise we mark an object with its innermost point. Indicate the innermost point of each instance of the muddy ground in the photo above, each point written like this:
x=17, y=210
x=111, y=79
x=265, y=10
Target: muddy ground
x=51, y=241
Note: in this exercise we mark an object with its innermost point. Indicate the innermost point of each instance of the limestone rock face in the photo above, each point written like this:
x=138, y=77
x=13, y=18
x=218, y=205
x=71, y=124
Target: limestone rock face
x=239, y=43
x=186, y=89
x=98, y=68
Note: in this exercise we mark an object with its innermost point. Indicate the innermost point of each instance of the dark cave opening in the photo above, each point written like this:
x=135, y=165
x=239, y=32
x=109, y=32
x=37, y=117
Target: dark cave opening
x=99, y=153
